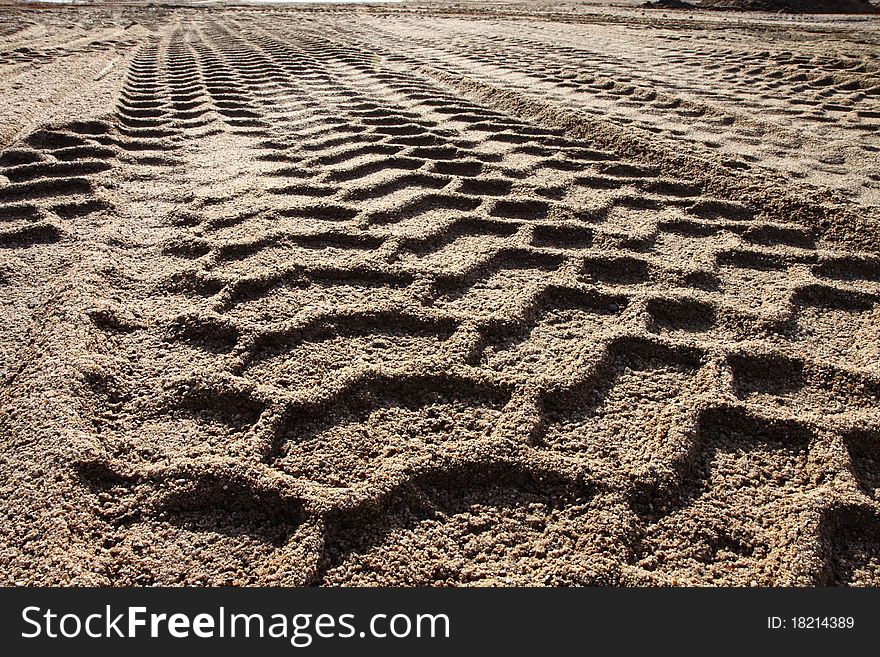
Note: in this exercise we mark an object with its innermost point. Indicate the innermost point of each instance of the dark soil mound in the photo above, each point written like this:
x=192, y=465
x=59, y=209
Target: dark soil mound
x=669, y=4
x=796, y=6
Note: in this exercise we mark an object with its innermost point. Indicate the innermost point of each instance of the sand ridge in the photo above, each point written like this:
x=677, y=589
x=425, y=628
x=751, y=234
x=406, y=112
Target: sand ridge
x=389, y=297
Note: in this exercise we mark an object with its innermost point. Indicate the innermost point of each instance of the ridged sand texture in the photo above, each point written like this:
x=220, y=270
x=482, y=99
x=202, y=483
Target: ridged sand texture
x=470, y=296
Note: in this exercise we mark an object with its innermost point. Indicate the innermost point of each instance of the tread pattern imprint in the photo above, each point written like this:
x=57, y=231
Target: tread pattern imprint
x=308, y=312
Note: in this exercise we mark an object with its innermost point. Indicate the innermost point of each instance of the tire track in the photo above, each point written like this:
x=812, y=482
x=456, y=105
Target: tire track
x=356, y=307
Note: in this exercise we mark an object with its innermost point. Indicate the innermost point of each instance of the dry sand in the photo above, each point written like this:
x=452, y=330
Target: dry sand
x=450, y=295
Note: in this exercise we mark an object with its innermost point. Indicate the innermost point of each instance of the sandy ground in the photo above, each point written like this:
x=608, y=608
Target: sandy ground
x=474, y=294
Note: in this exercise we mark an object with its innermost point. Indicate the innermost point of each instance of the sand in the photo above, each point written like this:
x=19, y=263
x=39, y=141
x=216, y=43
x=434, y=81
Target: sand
x=471, y=294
